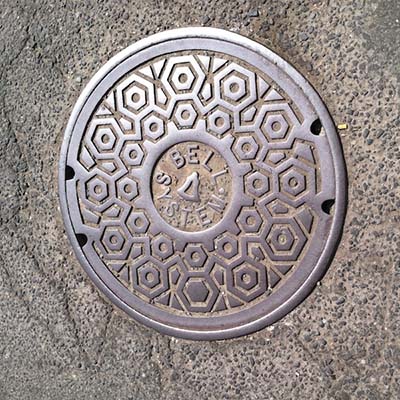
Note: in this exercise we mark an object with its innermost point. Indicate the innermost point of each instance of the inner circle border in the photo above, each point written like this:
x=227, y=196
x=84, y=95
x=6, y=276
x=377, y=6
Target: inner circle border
x=339, y=170
x=164, y=152
x=238, y=197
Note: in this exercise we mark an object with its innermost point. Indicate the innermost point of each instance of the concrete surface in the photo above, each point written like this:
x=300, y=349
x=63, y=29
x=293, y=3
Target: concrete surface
x=59, y=339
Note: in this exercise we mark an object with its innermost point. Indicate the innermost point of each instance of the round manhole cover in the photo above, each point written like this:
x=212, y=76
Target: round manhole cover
x=202, y=183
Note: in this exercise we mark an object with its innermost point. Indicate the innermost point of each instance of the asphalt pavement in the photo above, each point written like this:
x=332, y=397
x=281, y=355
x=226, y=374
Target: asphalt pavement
x=61, y=339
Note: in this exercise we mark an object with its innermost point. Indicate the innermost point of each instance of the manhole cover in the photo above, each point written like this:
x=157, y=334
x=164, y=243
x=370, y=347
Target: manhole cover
x=202, y=184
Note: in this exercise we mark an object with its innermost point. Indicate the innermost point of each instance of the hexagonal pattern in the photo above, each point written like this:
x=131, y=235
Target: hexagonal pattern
x=149, y=276
x=182, y=75
x=96, y=189
x=150, y=279
x=249, y=220
x=127, y=188
x=102, y=137
x=137, y=222
x=296, y=181
x=195, y=255
x=293, y=181
x=283, y=239
x=113, y=239
x=247, y=280
x=227, y=246
x=132, y=154
x=249, y=157
x=162, y=247
x=236, y=86
x=219, y=122
x=185, y=115
x=153, y=127
x=198, y=293
x=257, y=184
x=246, y=147
x=276, y=126
x=133, y=95
x=113, y=243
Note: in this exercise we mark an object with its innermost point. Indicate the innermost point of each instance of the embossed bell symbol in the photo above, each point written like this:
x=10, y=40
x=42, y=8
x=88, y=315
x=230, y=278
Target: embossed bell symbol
x=190, y=189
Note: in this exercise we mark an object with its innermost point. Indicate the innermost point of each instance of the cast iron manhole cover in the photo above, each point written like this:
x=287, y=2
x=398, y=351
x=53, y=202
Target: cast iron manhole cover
x=202, y=183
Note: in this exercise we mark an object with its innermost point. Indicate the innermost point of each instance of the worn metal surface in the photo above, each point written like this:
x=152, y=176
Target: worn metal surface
x=202, y=183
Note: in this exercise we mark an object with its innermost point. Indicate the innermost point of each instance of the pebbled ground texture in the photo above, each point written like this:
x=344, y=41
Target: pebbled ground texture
x=60, y=339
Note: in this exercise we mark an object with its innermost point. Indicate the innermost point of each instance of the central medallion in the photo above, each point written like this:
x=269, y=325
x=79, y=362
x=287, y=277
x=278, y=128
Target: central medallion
x=191, y=186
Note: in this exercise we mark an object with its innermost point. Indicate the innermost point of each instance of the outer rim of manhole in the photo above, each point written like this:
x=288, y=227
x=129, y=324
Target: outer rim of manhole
x=339, y=169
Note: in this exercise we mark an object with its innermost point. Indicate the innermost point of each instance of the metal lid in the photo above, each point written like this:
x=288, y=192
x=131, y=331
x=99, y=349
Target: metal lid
x=202, y=183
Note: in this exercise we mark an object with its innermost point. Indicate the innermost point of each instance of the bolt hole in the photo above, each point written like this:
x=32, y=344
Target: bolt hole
x=128, y=188
x=195, y=256
x=138, y=222
x=105, y=138
x=276, y=126
x=185, y=115
x=219, y=122
x=227, y=247
x=133, y=154
x=135, y=97
x=113, y=239
x=246, y=147
x=257, y=184
x=246, y=278
x=293, y=182
x=234, y=87
x=328, y=206
x=153, y=127
x=182, y=78
x=150, y=277
x=250, y=220
x=81, y=238
x=69, y=173
x=98, y=189
x=316, y=127
x=163, y=247
x=282, y=238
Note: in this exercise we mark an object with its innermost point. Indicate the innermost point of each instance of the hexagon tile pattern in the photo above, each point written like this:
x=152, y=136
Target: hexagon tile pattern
x=263, y=135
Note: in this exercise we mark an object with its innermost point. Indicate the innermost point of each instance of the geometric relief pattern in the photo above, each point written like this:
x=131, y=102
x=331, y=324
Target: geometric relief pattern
x=198, y=183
